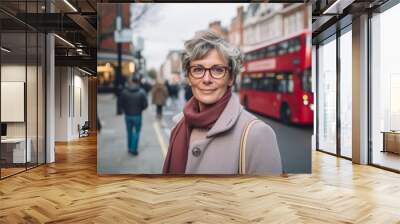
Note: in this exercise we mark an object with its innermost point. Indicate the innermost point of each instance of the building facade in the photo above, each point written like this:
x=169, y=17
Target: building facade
x=264, y=23
x=172, y=68
x=235, y=35
x=107, y=57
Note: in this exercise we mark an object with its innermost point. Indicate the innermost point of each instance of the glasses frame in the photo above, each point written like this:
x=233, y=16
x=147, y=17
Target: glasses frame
x=227, y=68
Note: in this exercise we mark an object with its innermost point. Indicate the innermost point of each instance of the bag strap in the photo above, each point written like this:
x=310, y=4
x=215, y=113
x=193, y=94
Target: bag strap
x=242, y=151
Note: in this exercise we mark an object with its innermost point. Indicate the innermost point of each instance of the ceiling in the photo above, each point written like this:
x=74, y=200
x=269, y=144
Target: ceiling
x=74, y=21
x=328, y=15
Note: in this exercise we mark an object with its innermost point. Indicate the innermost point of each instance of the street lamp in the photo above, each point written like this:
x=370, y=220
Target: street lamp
x=139, y=46
x=121, y=35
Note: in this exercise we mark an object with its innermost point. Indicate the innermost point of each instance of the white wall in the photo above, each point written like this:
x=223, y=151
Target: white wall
x=71, y=94
x=13, y=73
x=80, y=94
x=61, y=103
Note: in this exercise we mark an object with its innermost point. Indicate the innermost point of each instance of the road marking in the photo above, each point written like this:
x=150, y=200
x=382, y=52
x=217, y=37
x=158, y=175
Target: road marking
x=107, y=131
x=164, y=147
x=168, y=112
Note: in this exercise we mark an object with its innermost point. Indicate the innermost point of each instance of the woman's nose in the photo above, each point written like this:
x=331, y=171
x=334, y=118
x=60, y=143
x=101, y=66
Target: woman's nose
x=207, y=76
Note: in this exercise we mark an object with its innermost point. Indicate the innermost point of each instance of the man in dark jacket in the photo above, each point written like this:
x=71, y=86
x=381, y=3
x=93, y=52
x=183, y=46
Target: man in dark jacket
x=133, y=102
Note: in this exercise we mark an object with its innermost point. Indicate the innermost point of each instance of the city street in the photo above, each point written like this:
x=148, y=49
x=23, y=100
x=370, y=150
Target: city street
x=294, y=144
x=113, y=156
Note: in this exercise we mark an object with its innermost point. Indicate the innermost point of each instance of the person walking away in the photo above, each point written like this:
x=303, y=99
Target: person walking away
x=173, y=93
x=188, y=92
x=98, y=123
x=159, y=96
x=133, y=103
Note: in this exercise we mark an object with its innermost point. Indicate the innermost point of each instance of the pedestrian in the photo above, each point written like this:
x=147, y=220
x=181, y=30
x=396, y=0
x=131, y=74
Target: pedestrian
x=159, y=96
x=215, y=135
x=98, y=123
x=174, y=90
x=188, y=92
x=133, y=102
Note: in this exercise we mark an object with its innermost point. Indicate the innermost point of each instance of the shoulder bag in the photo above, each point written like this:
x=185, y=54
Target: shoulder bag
x=243, y=142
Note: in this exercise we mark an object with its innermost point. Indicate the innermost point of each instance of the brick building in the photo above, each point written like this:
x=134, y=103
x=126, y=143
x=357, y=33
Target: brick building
x=171, y=68
x=107, y=48
x=235, y=35
x=263, y=23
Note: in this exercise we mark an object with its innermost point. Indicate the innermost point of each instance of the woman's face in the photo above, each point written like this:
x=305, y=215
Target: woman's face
x=209, y=90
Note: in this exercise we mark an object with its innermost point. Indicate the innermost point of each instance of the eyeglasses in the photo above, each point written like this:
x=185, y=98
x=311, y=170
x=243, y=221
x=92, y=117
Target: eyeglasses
x=216, y=71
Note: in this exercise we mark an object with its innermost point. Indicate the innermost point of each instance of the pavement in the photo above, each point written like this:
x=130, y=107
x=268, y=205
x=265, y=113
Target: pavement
x=113, y=157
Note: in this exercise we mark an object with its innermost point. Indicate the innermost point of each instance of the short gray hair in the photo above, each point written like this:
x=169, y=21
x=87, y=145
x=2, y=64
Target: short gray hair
x=203, y=43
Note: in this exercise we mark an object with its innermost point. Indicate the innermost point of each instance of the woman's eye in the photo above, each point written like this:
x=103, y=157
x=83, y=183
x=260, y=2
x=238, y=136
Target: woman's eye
x=218, y=69
x=198, y=69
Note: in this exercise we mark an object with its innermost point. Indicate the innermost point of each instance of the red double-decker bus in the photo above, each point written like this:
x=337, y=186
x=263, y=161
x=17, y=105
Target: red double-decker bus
x=276, y=80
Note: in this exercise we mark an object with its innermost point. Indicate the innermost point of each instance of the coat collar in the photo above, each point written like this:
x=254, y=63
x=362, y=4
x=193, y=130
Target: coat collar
x=228, y=117
x=226, y=120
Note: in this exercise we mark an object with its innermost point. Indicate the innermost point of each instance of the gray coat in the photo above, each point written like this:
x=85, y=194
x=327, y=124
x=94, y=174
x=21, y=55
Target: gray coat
x=133, y=100
x=218, y=153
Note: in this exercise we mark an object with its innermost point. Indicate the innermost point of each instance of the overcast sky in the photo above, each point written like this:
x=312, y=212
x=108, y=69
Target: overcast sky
x=170, y=24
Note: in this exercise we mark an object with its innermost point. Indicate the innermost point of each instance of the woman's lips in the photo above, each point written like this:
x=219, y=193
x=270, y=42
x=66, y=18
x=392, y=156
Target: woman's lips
x=207, y=90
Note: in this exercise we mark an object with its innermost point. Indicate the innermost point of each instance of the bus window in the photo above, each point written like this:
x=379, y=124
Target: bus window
x=283, y=48
x=271, y=51
x=267, y=83
x=250, y=56
x=281, y=83
x=264, y=84
x=254, y=55
x=246, y=57
x=306, y=80
x=264, y=52
x=258, y=54
x=246, y=82
x=254, y=84
x=294, y=45
x=297, y=44
x=290, y=83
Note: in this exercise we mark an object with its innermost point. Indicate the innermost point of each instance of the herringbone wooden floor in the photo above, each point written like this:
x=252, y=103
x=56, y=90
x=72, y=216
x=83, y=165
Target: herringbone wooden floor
x=70, y=191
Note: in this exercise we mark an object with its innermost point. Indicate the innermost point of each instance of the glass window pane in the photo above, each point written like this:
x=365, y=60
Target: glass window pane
x=41, y=98
x=327, y=97
x=346, y=94
x=14, y=153
x=22, y=77
x=283, y=48
x=31, y=97
x=385, y=91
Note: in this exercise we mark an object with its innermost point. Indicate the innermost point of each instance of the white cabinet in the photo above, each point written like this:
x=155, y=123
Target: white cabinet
x=18, y=149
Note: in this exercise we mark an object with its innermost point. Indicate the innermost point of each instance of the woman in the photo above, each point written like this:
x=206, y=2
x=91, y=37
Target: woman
x=159, y=96
x=207, y=138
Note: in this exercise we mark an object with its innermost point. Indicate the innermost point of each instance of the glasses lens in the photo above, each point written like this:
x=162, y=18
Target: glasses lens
x=218, y=71
x=197, y=71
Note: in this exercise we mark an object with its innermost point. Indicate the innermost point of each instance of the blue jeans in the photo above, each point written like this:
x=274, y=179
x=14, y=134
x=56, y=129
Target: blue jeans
x=133, y=126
